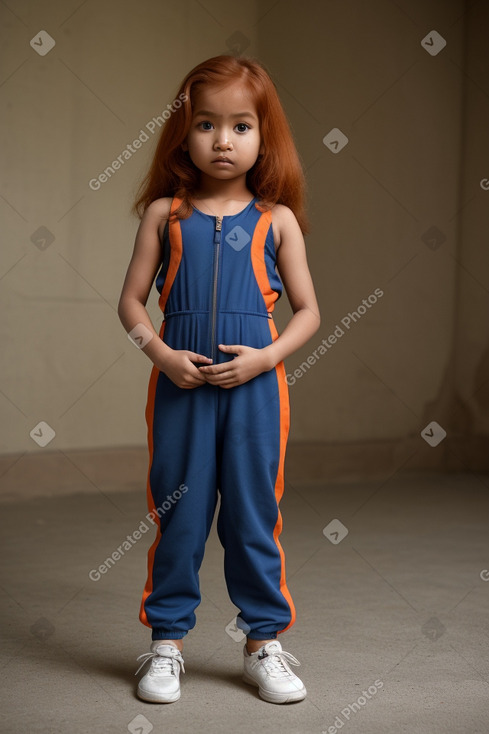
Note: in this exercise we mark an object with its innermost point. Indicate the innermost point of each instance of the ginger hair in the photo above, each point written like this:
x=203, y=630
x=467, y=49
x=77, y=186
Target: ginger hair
x=276, y=177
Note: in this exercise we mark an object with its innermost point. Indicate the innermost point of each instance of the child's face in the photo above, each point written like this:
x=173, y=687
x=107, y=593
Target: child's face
x=224, y=125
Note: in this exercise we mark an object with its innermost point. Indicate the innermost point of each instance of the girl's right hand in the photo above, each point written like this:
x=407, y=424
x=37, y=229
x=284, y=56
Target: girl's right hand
x=178, y=366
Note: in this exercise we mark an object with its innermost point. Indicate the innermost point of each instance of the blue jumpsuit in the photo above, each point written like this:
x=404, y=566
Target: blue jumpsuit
x=218, y=285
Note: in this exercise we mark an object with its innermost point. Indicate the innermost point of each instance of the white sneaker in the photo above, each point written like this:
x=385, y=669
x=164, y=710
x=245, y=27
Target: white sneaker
x=268, y=670
x=161, y=684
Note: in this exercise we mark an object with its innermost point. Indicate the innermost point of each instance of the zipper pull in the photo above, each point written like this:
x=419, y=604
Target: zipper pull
x=217, y=233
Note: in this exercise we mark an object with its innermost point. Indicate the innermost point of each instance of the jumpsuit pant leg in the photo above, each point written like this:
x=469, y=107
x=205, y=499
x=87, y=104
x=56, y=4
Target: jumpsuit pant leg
x=201, y=440
x=182, y=443
x=254, y=425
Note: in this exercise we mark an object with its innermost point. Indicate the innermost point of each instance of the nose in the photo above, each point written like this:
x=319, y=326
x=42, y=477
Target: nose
x=222, y=141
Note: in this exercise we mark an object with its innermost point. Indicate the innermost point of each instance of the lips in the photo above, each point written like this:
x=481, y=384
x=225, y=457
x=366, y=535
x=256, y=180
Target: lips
x=221, y=160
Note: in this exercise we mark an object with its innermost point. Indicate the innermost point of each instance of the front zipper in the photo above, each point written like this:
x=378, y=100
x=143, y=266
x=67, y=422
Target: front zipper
x=217, y=243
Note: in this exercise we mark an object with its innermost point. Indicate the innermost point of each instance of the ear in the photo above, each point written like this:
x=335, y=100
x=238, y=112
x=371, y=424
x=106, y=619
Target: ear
x=262, y=149
x=184, y=145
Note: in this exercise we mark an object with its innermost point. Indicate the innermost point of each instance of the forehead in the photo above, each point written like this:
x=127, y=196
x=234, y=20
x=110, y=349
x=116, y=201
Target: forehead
x=222, y=99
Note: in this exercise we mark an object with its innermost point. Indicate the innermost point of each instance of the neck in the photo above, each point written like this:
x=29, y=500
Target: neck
x=211, y=188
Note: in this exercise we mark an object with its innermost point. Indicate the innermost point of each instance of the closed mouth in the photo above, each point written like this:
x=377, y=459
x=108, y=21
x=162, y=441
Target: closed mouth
x=221, y=160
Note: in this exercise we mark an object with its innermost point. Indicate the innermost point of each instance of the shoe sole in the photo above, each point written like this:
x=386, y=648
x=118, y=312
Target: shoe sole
x=154, y=698
x=271, y=697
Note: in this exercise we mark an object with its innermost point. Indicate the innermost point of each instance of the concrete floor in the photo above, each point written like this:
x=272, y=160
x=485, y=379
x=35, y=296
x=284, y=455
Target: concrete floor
x=400, y=600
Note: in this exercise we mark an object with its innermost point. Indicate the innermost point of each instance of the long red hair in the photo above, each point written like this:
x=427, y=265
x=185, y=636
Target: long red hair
x=276, y=177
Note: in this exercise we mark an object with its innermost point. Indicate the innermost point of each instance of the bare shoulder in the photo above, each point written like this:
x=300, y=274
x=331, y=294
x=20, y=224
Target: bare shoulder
x=158, y=212
x=160, y=207
x=283, y=219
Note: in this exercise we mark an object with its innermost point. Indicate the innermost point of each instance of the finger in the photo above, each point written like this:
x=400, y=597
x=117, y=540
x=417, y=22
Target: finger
x=235, y=348
x=194, y=372
x=191, y=382
x=229, y=382
x=221, y=379
x=217, y=379
x=198, y=379
x=194, y=378
x=213, y=379
x=214, y=369
x=194, y=357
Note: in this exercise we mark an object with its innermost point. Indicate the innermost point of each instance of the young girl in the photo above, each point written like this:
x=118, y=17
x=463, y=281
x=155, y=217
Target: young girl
x=221, y=211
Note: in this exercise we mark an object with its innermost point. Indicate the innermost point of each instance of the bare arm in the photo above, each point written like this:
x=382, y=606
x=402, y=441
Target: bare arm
x=144, y=264
x=294, y=272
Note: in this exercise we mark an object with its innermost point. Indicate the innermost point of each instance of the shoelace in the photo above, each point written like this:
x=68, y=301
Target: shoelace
x=275, y=664
x=162, y=663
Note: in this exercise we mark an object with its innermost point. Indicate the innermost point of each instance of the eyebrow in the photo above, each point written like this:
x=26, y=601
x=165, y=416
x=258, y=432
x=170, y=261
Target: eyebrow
x=208, y=113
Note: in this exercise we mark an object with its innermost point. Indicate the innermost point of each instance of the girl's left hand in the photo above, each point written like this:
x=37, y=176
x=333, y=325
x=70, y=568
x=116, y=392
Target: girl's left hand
x=249, y=363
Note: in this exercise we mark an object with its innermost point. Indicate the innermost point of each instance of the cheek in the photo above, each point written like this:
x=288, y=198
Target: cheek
x=254, y=142
x=197, y=142
x=253, y=147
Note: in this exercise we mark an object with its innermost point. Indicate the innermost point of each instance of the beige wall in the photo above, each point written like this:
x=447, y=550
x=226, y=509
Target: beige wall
x=417, y=129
